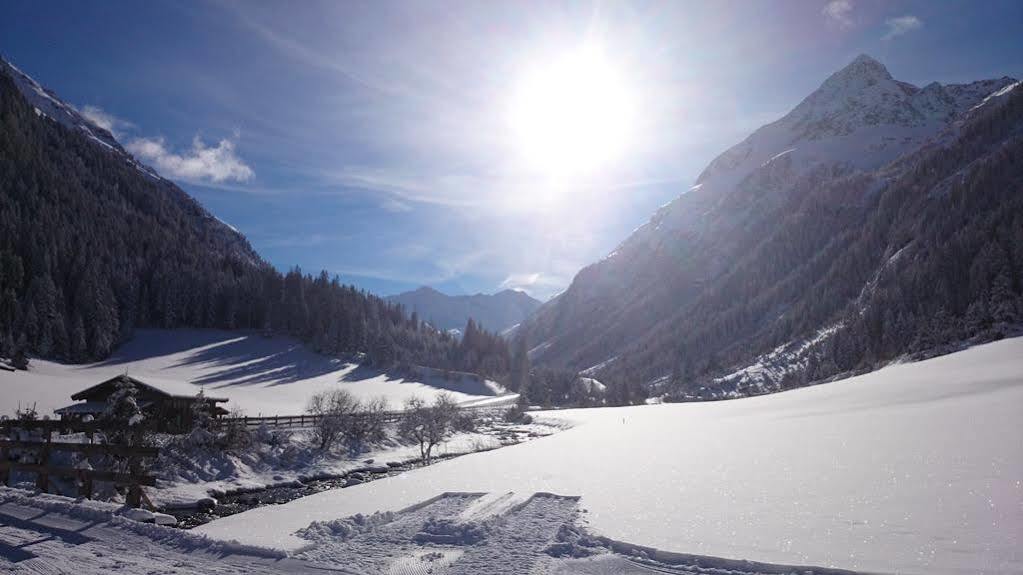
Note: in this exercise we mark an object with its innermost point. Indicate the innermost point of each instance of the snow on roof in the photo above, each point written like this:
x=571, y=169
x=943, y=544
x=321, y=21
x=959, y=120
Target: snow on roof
x=88, y=407
x=170, y=387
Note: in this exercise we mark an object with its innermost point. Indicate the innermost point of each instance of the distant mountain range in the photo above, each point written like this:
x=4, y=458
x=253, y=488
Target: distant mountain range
x=875, y=219
x=495, y=313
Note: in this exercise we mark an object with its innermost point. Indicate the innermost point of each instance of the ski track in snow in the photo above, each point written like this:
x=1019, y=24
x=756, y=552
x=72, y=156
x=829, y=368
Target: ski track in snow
x=452, y=534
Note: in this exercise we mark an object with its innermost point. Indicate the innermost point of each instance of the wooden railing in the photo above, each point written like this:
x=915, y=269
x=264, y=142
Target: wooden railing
x=133, y=454
x=303, y=421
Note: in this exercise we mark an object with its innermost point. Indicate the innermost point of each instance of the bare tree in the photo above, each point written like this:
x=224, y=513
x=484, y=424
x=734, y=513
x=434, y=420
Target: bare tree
x=334, y=408
x=366, y=425
x=428, y=425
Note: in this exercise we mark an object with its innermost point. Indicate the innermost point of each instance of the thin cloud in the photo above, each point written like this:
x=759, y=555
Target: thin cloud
x=299, y=51
x=536, y=284
x=217, y=164
x=105, y=120
x=520, y=281
x=839, y=13
x=300, y=241
x=396, y=206
x=444, y=191
x=901, y=25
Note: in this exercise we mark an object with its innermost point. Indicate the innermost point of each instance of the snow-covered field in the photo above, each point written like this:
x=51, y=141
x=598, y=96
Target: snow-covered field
x=268, y=376
x=915, y=468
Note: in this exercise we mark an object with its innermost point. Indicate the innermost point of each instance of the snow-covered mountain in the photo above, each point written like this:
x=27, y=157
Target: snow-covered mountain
x=786, y=230
x=47, y=104
x=860, y=116
x=494, y=312
x=859, y=119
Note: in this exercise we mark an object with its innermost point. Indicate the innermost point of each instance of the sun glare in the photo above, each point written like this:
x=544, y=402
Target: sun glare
x=571, y=115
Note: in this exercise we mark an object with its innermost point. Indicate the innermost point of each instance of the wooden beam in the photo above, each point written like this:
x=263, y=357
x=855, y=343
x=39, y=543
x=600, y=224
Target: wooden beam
x=102, y=448
x=94, y=474
x=54, y=424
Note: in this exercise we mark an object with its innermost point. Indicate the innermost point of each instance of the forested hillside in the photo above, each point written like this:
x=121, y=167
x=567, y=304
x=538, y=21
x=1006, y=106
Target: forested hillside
x=877, y=219
x=93, y=245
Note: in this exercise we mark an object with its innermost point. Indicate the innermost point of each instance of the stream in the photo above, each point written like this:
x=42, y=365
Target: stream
x=237, y=502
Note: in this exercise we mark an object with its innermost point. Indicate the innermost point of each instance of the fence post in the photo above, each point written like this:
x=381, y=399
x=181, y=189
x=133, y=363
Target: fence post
x=85, y=489
x=43, y=478
x=5, y=472
x=134, y=498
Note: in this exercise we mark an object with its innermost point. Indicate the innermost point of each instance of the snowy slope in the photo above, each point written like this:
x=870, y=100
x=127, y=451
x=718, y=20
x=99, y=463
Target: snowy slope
x=916, y=468
x=273, y=376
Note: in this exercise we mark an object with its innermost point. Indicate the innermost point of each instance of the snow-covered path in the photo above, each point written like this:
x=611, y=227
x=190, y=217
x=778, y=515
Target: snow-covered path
x=40, y=541
x=916, y=468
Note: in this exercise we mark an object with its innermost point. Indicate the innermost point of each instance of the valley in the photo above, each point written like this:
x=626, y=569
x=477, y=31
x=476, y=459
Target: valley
x=808, y=360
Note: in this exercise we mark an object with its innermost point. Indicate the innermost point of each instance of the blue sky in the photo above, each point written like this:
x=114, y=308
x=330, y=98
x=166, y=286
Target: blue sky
x=373, y=139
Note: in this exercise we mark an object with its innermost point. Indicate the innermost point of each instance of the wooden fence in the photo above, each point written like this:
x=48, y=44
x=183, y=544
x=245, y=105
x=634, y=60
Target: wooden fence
x=304, y=421
x=133, y=454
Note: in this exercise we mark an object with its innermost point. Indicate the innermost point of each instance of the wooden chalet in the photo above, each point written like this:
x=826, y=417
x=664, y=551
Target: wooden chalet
x=168, y=405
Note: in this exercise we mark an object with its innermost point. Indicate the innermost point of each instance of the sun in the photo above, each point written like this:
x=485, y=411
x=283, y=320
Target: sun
x=571, y=115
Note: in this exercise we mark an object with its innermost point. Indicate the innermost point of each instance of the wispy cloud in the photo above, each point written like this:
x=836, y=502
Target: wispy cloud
x=520, y=281
x=299, y=51
x=395, y=206
x=541, y=285
x=217, y=164
x=105, y=120
x=839, y=13
x=300, y=241
x=901, y=25
x=403, y=189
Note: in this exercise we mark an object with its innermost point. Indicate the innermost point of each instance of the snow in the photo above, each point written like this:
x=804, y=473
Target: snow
x=767, y=371
x=446, y=534
x=260, y=376
x=188, y=475
x=47, y=534
x=915, y=468
x=996, y=95
x=592, y=385
x=83, y=407
x=232, y=228
x=778, y=155
x=596, y=368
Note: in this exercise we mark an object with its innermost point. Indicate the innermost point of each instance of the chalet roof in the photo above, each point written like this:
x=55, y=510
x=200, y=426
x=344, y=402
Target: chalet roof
x=85, y=407
x=166, y=387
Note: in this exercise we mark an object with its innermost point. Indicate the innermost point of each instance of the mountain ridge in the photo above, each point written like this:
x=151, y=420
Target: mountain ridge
x=495, y=312
x=679, y=291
